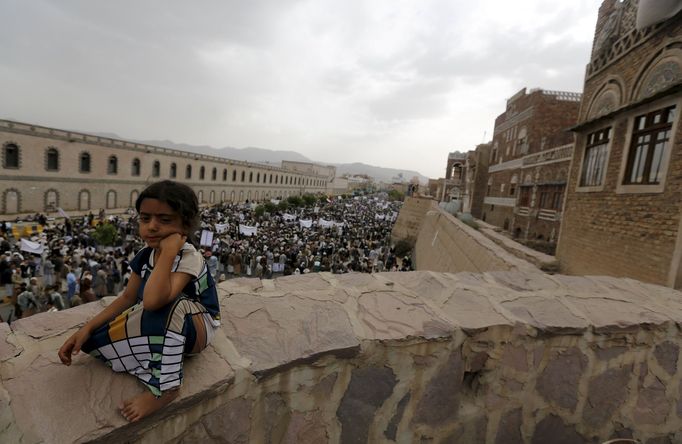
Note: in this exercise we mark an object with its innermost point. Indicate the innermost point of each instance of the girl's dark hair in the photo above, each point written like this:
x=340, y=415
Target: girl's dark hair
x=180, y=198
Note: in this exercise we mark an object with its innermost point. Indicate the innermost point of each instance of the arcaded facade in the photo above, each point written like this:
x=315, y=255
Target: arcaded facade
x=623, y=203
x=529, y=162
x=45, y=168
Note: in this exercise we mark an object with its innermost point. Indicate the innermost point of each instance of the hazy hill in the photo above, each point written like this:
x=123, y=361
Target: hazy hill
x=275, y=157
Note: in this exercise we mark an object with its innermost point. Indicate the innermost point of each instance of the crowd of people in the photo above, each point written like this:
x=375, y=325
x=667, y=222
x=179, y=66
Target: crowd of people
x=66, y=267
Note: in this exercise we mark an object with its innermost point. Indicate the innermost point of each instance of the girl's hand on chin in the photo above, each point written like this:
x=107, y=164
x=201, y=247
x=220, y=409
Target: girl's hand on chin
x=172, y=242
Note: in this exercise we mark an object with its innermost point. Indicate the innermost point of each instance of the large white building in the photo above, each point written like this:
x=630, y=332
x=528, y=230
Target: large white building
x=46, y=168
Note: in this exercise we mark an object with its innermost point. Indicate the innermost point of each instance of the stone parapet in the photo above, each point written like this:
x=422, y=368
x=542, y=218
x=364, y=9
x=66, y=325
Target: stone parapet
x=393, y=357
x=447, y=244
x=411, y=217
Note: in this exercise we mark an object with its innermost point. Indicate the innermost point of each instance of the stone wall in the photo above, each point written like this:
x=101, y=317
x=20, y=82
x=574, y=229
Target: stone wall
x=503, y=357
x=447, y=244
x=411, y=217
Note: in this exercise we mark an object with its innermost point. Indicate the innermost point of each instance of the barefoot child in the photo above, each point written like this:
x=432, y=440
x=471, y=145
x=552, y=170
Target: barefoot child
x=169, y=308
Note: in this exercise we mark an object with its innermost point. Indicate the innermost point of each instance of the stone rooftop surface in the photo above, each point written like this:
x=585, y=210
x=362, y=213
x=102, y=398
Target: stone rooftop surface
x=271, y=326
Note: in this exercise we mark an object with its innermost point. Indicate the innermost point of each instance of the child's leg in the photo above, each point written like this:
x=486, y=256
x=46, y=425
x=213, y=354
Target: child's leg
x=201, y=335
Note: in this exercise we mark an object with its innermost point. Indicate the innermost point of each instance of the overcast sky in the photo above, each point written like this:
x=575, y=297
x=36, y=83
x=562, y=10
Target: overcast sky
x=392, y=83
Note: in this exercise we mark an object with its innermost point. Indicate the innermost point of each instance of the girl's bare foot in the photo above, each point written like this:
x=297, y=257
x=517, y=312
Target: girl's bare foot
x=144, y=404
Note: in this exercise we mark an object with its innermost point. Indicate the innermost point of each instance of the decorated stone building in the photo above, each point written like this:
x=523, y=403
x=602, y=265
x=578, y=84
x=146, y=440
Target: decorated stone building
x=529, y=162
x=623, y=204
x=46, y=168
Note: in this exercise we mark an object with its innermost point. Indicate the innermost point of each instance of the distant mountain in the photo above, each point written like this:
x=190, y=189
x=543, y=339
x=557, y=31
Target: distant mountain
x=249, y=154
x=275, y=157
x=386, y=175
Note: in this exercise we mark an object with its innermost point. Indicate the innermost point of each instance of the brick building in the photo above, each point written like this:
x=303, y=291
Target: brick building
x=529, y=162
x=46, y=168
x=476, y=179
x=623, y=203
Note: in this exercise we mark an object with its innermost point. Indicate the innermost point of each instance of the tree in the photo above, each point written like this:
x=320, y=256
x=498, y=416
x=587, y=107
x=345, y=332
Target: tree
x=283, y=205
x=259, y=211
x=309, y=200
x=105, y=234
x=294, y=201
x=270, y=207
x=396, y=195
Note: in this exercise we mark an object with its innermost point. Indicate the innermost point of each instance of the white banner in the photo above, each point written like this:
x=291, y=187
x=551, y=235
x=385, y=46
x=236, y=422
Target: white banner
x=206, y=238
x=316, y=210
x=275, y=201
x=221, y=228
x=380, y=216
x=288, y=217
x=248, y=231
x=306, y=223
x=62, y=213
x=31, y=247
x=325, y=223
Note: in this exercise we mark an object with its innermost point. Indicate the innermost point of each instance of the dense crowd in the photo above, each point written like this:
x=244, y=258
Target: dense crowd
x=64, y=266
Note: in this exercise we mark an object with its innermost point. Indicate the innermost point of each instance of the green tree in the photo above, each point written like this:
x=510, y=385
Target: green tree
x=105, y=234
x=309, y=200
x=270, y=207
x=259, y=211
x=294, y=201
x=396, y=195
x=283, y=205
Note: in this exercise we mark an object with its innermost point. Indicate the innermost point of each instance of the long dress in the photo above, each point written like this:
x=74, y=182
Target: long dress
x=151, y=345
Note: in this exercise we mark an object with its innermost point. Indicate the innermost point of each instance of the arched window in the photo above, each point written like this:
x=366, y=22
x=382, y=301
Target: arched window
x=234, y=176
x=12, y=201
x=276, y=181
x=270, y=177
x=258, y=178
x=84, y=163
x=200, y=196
x=202, y=172
x=225, y=175
x=243, y=175
x=241, y=196
x=211, y=197
x=51, y=200
x=250, y=176
x=133, y=198
x=156, y=169
x=173, y=170
x=256, y=196
x=188, y=172
x=111, y=199
x=248, y=196
x=11, y=156
x=52, y=159
x=84, y=200
x=232, y=196
x=214, y=173
x=135, y=169
x=222, y=196
x=112, y=165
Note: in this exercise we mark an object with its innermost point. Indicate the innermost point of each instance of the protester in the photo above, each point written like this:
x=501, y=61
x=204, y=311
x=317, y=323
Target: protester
x=329, y=235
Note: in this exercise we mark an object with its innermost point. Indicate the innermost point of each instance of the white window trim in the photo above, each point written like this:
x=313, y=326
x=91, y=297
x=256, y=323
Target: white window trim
x=583, y=143
x=648, y=189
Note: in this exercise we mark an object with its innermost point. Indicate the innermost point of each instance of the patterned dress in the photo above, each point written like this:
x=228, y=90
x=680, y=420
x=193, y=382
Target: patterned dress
x=151, y=345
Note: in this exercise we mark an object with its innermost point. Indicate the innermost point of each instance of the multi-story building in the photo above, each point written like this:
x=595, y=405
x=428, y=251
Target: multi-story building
x=529, y=162
x=335, y=185
x=476, y=179
x=47, y=168
x=453, y=185
x=623, y=204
